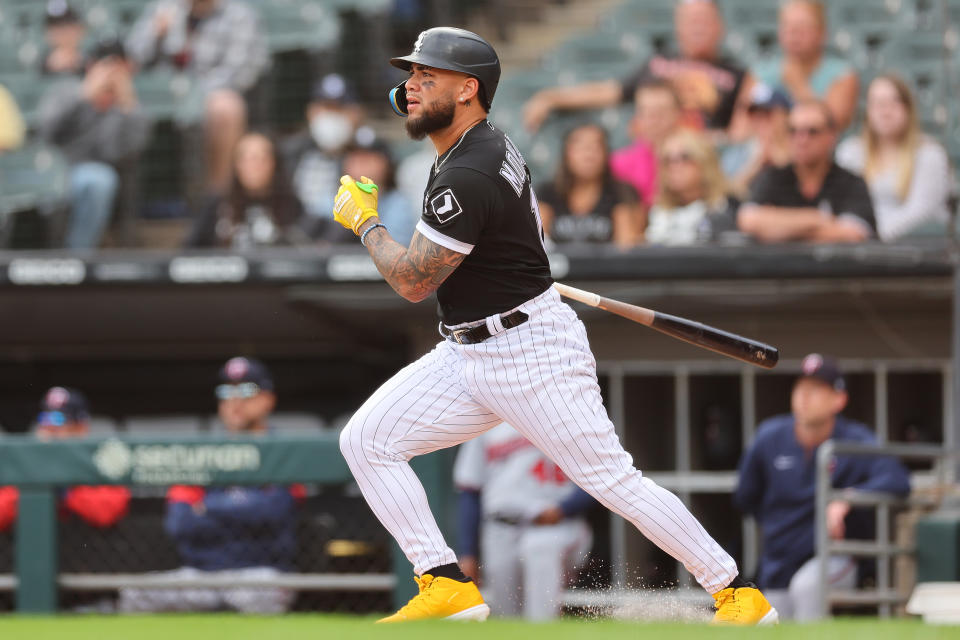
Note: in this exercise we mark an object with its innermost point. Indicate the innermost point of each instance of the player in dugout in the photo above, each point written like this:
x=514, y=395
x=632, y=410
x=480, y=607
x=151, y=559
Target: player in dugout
x=64, y=414
x=521, y=523
x=241, y=533
x=511, y=349
x=778, y=485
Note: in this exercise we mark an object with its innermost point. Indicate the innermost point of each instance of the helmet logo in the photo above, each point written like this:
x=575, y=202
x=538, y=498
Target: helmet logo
x=419, y=43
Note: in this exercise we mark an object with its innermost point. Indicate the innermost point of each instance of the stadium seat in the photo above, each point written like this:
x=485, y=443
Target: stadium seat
x=291, y=24
x=178, y=425
x=102, y=426
x=297, y=423
x=34, y=177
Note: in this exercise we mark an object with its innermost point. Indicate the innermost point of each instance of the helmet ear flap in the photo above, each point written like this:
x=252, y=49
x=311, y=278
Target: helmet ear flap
x=398, y=99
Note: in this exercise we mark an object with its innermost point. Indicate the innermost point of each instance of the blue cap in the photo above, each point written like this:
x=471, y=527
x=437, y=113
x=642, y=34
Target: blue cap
x=823, y=368
x=61, y=405
x=763, y=96
x=240, y=370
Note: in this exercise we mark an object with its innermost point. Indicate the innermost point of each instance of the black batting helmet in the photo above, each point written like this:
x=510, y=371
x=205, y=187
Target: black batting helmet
x=454, y=50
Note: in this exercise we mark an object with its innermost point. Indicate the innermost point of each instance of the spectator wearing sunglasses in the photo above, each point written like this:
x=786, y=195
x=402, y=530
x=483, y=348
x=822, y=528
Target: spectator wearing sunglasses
x=812, y=199
x=243, y=532
x=64, y=415
x=692, y=204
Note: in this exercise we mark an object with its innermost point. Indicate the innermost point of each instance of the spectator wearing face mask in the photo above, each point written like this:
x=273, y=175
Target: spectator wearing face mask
x=314, y=156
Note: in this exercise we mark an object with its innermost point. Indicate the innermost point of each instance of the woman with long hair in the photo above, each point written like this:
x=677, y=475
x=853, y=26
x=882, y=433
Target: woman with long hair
x=585, y=203
x=908, y=172
x=692, y=205
x=260, y=207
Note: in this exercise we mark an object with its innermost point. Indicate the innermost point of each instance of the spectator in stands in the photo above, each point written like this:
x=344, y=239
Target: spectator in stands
x=242, y=533
x=657, y=115
x=64, y=34
x=221, y=45
x=768, y=144
x=708, y=83
x=260, y=208
x=692, y=203
x=805, y=71
x=523, y=518
x=371, y=157
x=908, y=173
x=12, y=129
x=777, y=484
x=64, y=414
x=812, y=199
x=585, y=203
x=315, y=156
x=99, y=125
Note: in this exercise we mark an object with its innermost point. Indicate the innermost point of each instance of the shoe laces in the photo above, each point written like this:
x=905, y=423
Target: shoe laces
x=728, y=604
x=419, y=601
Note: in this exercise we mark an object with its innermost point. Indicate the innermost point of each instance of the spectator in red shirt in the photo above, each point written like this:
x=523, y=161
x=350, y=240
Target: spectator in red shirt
x=63, y=415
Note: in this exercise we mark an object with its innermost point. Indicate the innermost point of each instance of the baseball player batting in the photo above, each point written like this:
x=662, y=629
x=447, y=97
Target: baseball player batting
x=511, y=349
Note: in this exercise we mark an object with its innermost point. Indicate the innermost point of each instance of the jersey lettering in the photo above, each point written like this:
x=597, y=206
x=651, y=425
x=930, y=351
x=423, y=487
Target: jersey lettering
x=547, y=472
x=513, y=168
x=445, y=206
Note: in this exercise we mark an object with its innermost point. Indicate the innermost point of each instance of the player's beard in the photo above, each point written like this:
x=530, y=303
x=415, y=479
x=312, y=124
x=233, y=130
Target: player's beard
x=433, y=118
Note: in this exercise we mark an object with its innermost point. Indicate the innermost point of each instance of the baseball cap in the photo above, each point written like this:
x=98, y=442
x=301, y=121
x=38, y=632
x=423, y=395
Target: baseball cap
x=107, y=47
x=366, y=139
x=824, y=369
x=238, y=371
x=763, y=96
x=60, y=12
x=332, y=88
x=61, y=405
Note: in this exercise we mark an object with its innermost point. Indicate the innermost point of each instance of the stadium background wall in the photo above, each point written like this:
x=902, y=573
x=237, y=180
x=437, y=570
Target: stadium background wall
x=144, y=335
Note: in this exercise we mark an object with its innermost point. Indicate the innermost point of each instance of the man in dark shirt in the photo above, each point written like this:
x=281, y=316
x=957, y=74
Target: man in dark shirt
x=708, y=83
x=512, y=350
x=812, y=199
x=241, y=533
x=99, y=125
x=778, y=485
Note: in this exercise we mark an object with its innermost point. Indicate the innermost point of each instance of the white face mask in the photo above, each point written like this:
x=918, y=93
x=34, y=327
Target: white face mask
x=331, y=130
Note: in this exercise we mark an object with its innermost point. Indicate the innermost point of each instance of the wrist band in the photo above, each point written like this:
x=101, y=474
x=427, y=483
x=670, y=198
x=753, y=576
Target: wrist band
x=364, y=234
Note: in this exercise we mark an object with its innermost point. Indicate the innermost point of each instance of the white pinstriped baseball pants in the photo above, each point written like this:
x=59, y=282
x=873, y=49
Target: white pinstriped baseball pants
x=541, y=378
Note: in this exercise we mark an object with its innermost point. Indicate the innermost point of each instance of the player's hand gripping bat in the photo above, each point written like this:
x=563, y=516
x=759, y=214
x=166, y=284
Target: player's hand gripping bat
x=701, y=335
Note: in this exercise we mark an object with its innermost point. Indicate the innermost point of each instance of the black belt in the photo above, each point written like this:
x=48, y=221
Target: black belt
x=479, y=333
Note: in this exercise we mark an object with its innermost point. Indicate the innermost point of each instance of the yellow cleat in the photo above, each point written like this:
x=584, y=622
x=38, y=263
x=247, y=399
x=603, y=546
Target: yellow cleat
x=745, y=605
x=442, y=598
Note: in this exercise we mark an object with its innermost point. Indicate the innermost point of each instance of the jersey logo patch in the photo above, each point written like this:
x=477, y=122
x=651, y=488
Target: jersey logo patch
x=445, y=206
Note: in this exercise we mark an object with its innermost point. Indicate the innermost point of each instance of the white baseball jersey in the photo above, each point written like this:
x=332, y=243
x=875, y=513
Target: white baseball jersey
x=513, y=477
x=539, y=376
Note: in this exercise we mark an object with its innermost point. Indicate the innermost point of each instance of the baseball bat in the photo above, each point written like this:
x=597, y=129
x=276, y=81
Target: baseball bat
x=696, y=333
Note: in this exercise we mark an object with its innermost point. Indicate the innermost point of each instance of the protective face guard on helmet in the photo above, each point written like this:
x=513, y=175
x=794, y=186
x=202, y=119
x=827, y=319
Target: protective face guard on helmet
x=454, y=50
x=398, y=99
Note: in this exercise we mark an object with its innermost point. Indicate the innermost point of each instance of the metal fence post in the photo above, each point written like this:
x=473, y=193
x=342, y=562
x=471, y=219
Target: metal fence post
x=36, y=551
x=822, y=539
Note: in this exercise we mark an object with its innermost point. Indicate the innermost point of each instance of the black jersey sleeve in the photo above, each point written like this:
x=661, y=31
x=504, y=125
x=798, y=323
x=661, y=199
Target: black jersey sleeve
x=460, y=204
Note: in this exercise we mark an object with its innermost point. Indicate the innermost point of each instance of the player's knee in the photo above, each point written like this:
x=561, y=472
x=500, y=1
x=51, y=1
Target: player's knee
x=349, y=438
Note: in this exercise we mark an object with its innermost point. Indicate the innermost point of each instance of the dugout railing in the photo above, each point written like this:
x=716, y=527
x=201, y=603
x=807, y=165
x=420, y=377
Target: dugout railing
x=883, y=595
x=38, y=469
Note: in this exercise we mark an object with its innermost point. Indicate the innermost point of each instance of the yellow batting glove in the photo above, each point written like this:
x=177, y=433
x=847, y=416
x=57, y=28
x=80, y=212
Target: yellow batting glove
x=356, y=202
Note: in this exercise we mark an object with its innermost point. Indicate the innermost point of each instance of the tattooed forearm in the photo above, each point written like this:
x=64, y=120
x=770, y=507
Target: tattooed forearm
x=413, y=272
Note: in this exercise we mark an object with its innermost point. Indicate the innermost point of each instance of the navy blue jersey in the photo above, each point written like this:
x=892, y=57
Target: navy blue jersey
x=777, y=484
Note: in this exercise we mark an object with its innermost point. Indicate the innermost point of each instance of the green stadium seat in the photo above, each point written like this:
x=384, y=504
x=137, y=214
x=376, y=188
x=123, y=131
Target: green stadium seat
x=34, y=177
x=161, y=90
x=28, y=89
x=292, y=24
